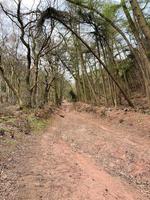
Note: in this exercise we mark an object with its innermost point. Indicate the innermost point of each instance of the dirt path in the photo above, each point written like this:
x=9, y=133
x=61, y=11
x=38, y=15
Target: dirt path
x=78, y=158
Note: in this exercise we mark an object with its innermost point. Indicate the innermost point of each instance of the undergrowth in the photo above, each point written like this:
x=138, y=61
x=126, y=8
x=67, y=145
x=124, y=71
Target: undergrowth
x=16, y=128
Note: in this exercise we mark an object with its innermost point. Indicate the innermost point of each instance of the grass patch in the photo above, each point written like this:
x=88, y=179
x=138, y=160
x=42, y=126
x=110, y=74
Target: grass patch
x=9, y=141
x=37, y=125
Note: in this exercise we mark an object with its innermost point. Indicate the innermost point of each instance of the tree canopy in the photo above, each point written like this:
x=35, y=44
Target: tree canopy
x=93, y=51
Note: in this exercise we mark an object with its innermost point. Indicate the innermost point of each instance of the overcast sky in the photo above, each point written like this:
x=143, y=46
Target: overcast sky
x=29, y=3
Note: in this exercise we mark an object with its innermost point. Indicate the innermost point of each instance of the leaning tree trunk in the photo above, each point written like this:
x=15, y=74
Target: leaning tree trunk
x=143, y=25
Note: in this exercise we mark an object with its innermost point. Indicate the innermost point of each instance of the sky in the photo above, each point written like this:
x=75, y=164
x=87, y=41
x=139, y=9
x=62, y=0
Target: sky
x=29, y=3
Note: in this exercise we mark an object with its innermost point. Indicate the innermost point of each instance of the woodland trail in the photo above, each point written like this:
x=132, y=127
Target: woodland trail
x=78, y=158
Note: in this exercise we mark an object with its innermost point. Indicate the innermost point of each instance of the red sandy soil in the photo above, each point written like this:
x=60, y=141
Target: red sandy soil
x=80, y=157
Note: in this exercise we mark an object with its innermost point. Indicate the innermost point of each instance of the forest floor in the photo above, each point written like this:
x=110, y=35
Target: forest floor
x=82, y=156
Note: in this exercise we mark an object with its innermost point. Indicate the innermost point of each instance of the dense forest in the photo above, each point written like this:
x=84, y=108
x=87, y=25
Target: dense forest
x=92, y=51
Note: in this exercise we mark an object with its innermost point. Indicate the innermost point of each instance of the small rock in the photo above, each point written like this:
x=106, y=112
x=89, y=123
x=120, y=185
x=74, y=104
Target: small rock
x=2, y=132
x=4, y=176
x=12, y=135
x=106, y=190
x=126, y=109
x=121, y=121
x=62, y=116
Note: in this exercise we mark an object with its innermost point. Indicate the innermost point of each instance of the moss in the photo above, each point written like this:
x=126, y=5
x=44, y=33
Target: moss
x=10, y=141
x=37, y=124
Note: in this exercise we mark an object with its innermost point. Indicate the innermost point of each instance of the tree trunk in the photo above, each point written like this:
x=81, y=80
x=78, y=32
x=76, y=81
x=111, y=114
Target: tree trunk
x=143, y=25
x=10, y=86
